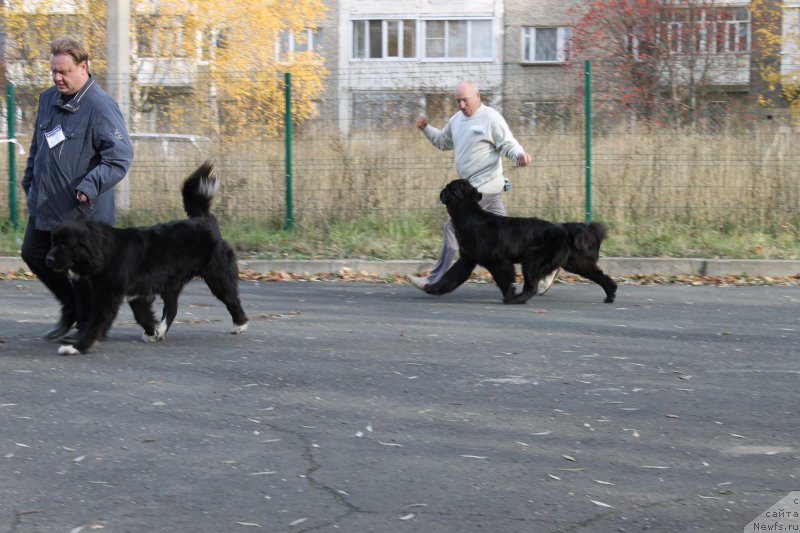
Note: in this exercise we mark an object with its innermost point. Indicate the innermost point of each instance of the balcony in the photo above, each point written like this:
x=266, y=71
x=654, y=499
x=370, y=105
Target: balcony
x=166, y=72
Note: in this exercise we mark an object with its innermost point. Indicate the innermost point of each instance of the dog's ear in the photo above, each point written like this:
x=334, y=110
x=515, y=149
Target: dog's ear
x=469, y=192
x=444, y=196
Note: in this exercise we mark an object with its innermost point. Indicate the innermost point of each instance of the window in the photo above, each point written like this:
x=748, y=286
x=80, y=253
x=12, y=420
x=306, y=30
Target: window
x=731, y=31
x=376, y=110
x=544, y=117
x=708, y=30
x=158, y=36
x=458, y=39
x=288, y=44
x=545, y=45
x=384, y=39
x=714, y=115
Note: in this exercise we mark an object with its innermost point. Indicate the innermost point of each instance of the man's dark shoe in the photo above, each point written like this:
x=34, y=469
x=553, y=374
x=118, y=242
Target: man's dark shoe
x=61, y=328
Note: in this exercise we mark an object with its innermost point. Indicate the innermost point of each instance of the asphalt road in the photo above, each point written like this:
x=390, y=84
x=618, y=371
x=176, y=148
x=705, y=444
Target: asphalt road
x=376, y=408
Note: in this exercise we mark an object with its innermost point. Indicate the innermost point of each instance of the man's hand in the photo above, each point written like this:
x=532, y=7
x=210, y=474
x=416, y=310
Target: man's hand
x=422, y=121
x=524, y=159
x=82, y=198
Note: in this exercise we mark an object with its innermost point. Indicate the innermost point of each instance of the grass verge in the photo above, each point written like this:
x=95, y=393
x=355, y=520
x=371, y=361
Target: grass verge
x=419, y=237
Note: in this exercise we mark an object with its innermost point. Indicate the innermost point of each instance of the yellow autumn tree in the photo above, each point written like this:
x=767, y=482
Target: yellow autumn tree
x=241, y=47
x=211, y=66
x=770, y=41
x=31, y=26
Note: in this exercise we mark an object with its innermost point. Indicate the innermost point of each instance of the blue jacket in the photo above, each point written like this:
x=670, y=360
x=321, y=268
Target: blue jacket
x=93, y=157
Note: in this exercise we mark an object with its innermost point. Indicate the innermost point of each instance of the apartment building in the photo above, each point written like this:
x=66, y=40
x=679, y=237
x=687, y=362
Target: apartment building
x=394, y=59
x=390, y=60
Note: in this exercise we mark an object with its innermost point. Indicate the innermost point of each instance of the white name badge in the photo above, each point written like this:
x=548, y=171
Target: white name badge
x=54, y=136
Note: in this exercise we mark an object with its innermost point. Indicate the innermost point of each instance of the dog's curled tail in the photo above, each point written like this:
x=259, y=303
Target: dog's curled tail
x=199, y=189
x=598, y=230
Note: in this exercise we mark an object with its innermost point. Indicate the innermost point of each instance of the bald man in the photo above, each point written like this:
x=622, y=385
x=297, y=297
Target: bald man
x=481, y=139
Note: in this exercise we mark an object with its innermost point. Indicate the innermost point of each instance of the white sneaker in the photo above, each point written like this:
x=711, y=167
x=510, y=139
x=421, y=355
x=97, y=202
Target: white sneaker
x=418, y=282
x=547, y=282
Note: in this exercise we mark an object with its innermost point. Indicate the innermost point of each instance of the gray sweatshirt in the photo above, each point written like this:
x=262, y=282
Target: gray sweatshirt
x=479, y=142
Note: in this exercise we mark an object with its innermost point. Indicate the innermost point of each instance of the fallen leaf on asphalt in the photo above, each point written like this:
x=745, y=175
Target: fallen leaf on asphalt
x=568, y=457
x=603, y=482
x=248, y=524
x=390, y=444
x=297, y=522
x=737, y=436
x=409, y=516
x=554, y=477
x=601, y=504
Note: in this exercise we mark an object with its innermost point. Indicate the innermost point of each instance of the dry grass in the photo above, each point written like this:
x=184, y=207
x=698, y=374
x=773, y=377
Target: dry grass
x=732, y=182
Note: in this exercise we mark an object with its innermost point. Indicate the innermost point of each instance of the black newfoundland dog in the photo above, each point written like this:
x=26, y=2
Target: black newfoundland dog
x=497, y=243
x=144, y=262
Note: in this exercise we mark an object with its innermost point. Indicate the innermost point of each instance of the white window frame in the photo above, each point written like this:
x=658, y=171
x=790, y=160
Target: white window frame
x=528, y=52
x=402, y=25
x=290, y=47
x=709, y=29
x=469, y=45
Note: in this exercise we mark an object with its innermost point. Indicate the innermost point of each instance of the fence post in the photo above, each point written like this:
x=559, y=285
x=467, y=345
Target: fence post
x=288, y=129
x=588, y=138
x=12, y=156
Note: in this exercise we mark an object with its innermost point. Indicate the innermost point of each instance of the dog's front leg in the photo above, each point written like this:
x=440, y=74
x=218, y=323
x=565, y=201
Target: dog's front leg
x=455, y=276
x=101, y=317
x=513, y=297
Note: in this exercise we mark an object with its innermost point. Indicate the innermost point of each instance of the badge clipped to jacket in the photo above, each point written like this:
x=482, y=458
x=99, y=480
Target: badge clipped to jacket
x=55, y=136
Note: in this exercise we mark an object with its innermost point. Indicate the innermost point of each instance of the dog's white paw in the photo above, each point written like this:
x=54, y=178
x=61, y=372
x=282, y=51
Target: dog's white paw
x=237, y=329
x=158, y=334
x=161, y=330
x=67, y=349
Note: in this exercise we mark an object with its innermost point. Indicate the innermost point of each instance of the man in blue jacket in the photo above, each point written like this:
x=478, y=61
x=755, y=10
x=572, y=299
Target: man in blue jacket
x=80, y=149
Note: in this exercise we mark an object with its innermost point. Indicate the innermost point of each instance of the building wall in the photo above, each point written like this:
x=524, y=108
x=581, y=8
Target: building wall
x=530, y=85
x=403, y=83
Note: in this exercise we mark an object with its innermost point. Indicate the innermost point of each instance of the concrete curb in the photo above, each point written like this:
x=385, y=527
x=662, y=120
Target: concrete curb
x=613, y=266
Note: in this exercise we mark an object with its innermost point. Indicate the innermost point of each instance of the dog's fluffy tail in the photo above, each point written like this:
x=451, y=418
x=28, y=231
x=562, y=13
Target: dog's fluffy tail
x=598, y=230
x=199, y=189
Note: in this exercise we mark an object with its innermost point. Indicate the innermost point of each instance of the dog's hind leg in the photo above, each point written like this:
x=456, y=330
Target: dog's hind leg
x=170, y=298
x=222, y=277
x=455, y=276
x=142, y=307
x=226, y=289
x=598, y=276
